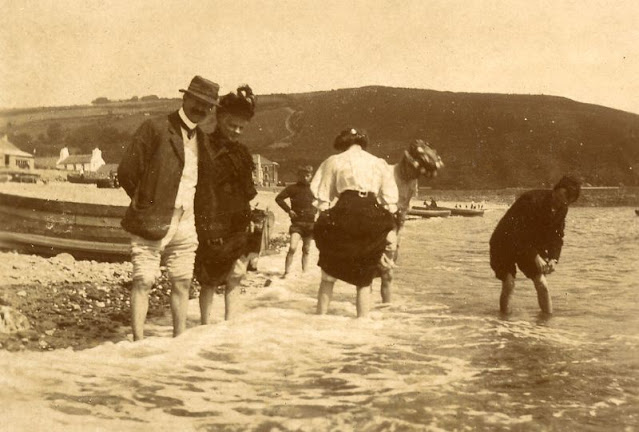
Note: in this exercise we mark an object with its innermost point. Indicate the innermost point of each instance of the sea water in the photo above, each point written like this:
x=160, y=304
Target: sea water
x=439, y=358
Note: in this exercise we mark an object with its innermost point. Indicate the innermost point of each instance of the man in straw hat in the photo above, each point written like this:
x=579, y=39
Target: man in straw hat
x=159, y=172
x=302, y=213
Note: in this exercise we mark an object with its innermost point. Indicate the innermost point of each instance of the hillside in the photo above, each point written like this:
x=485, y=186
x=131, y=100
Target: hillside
x=485, y=140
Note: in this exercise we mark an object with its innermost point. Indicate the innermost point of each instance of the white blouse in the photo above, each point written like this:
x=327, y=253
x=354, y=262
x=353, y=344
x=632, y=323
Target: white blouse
x=186, y=190
x=354, y=169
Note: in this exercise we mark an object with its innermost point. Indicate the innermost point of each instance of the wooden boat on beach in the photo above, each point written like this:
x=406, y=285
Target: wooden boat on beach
x=82, y=178
x=49, y=227
x=86, y=231
x=424, y=212
x=466, y=212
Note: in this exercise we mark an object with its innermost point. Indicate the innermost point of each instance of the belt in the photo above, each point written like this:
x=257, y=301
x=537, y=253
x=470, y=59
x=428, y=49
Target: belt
x=361, y=194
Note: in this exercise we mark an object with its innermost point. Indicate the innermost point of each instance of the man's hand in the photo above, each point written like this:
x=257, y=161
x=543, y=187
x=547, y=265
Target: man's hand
x=550, y=266
x=292, y=214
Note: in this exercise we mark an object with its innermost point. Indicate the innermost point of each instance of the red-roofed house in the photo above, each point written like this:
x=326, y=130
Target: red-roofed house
x=12, y=157
x=80, y=163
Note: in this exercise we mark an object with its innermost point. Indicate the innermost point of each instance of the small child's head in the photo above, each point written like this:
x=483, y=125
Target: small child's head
x=305, y=173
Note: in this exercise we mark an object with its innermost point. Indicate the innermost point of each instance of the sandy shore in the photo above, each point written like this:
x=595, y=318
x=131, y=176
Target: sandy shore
x=80, y=304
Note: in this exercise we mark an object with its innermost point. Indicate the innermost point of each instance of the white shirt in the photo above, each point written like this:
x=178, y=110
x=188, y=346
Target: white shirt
x=354, y=169
x=186, y=190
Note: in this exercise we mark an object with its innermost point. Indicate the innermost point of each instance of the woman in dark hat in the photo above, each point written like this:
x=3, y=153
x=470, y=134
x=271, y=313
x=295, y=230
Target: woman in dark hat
x=352, y=235
x=222, y=203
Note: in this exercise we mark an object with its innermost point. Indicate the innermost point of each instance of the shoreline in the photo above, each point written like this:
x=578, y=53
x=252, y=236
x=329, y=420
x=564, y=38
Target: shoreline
x=623, y=196
x=79, y=304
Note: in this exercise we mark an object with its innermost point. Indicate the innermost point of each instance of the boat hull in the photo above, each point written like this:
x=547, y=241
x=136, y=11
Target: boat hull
x=427, y=213
x=86, y=231
x=456, y=211
x=50, y=227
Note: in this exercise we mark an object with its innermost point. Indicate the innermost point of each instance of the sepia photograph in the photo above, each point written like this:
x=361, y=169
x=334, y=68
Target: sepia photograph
x=310, y=216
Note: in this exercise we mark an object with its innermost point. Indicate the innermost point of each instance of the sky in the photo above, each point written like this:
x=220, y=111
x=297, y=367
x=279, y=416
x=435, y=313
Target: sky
x=64, y=52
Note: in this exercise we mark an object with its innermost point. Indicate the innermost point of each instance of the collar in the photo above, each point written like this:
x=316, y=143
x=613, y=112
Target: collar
x=189, y=124
x=355, y=148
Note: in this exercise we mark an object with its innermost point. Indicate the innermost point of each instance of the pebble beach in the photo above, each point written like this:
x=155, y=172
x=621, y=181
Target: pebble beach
x=67, y=303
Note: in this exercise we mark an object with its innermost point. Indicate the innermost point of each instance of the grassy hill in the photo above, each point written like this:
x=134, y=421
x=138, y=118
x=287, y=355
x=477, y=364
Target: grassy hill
x=485, y=140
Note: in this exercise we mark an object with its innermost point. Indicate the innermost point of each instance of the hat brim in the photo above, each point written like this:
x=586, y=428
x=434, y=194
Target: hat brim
x=202, y=97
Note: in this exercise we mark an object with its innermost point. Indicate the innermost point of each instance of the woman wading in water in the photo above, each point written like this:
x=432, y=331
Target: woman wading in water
x=352, y=235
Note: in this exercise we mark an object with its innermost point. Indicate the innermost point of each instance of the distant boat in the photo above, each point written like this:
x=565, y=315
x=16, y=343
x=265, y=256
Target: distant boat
x=86, y=231
x=455, y=211
x=427, y=213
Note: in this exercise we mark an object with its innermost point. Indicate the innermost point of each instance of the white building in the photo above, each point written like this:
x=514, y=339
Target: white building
x=80, y=163
x=266, y=171
x=11, y=157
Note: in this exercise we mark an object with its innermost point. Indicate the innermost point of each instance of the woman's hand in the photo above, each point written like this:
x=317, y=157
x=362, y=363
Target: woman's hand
x=541, y=264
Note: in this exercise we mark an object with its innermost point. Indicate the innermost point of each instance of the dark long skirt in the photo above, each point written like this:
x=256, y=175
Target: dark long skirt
x=351, y=238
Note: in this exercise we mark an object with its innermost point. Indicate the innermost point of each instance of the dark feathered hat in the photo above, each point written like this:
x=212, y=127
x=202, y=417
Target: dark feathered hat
x=422, y=157
x=240, y=104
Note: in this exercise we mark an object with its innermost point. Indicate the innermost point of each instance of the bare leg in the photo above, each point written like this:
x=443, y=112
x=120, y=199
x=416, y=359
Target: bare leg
x=306, y=249
x=507, y=288
x=179, y=304
x=231, y=293
x=363, y=302
x=295, y=238
x=543, y=295
x=387, y=281
x=139, y=306
x=325, y=293
x=206, y=301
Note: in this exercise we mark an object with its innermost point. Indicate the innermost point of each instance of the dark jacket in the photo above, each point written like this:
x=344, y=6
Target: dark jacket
x=531, y=226
x=225, y=189
x=301, y=201
x=150, y=173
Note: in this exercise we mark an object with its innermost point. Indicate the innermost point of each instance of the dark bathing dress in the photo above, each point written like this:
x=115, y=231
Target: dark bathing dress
x=530, y=226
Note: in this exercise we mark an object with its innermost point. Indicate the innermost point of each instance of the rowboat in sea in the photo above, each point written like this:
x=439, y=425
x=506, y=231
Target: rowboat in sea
x=85, y=230
x=466, y=212
x=427, y=213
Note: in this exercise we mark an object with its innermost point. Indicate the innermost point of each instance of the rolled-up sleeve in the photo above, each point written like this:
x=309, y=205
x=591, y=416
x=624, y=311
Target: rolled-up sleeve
x=388, y=194
x=323, y=185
